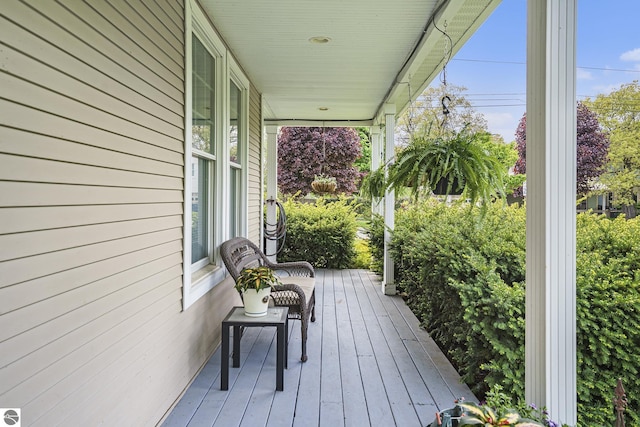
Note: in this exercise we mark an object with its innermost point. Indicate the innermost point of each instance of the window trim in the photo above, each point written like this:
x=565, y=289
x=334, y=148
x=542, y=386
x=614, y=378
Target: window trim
x=242, y=83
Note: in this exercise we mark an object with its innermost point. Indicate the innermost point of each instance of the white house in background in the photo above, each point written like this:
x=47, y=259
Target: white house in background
x=131, y=141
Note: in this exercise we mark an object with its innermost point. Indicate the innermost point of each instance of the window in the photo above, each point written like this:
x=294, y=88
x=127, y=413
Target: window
x=216, y=148
x=203, y=149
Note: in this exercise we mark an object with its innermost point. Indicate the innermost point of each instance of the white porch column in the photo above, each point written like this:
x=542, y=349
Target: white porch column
x=388, y=284
x=376, y=161
x=272, y=188
x=550, y=361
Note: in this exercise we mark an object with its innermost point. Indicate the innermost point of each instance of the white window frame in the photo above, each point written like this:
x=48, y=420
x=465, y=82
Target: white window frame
x=199, y=278
x=242, y=83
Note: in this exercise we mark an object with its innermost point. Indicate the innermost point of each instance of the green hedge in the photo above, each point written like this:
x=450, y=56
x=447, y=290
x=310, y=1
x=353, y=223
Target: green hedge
x=463, y=275
x=608, y=314
x=322, y=233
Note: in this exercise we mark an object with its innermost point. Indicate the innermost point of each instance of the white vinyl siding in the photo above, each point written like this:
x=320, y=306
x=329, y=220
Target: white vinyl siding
x=92, y=172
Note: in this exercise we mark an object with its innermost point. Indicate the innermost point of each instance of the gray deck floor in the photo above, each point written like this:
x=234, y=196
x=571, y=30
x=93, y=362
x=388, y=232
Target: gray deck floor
x=369, y=365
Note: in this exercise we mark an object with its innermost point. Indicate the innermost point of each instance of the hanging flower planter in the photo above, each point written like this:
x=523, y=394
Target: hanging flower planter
x=323, y=184
x=426, y=164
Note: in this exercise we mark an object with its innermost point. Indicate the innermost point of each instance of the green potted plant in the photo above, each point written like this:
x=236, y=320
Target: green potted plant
x=255, y=286
x=469, y=414
x=323, y=184
x=498, y=410
x=374, y=184
x=486, y=416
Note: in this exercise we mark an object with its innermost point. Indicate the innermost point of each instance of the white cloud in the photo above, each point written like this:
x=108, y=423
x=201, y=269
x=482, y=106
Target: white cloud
x=606, y=89
x=504, y=124
x=498, y=119
x=584, y=74
x=631, y=55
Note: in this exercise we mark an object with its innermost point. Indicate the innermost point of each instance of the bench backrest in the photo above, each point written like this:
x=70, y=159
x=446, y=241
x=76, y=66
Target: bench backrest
x=239, y=253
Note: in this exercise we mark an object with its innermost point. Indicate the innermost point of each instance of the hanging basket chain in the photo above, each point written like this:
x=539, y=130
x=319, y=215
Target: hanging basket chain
x=445, y=100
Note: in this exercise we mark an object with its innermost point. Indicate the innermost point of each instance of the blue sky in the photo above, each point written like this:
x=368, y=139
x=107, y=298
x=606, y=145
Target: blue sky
x=492, y=63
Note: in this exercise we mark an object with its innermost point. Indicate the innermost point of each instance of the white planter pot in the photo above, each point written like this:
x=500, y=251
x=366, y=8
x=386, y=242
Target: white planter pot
x=256, y=303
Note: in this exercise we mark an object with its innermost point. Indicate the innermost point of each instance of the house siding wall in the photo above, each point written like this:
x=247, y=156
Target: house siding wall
x=92, y=329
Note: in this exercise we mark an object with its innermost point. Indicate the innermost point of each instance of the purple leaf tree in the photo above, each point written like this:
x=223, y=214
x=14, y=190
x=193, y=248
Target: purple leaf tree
x=592, y=149
x=304, y=152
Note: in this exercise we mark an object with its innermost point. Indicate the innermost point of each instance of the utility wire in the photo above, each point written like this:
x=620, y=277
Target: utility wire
x=524, y=63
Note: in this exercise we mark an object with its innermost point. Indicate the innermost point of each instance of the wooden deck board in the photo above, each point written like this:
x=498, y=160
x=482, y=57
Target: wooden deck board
x=369, y=363
x=355, y=407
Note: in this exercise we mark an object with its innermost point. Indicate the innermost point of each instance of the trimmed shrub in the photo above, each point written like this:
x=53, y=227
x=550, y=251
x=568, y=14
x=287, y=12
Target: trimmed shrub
x=322, y=233
x=608, y=315
x=463, y=273
x=449, y=261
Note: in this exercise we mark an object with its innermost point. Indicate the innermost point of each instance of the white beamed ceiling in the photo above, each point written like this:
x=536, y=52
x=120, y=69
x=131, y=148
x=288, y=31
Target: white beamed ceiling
x=374, y=45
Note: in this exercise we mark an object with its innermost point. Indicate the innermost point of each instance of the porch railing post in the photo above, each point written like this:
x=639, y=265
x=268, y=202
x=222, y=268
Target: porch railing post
x=272, y=189
x=388, y=284
x=550, y=340
x=376, y=160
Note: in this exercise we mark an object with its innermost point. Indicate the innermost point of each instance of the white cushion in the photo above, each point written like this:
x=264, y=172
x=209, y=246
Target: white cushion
x=306, y=283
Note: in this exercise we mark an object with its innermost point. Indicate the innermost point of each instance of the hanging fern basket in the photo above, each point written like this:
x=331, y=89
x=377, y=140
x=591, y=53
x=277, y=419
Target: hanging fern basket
x=446, y=187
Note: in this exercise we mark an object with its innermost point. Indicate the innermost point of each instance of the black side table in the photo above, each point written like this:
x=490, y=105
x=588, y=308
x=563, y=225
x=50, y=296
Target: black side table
x=276, y=316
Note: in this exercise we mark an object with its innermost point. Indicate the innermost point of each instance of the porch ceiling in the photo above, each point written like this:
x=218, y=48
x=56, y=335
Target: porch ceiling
x=377, y=48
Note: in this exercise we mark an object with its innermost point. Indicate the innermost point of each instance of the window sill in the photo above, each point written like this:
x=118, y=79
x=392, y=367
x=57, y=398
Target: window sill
x=203, y=273
x=201, y=281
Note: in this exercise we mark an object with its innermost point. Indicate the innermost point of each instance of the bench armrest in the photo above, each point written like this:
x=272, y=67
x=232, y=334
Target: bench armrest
x=297, y=268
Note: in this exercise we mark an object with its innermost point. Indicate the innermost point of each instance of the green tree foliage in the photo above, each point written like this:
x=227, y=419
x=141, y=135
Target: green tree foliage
x=463, y=276
x=363, y=163
x=619, y=115
x=506, y=154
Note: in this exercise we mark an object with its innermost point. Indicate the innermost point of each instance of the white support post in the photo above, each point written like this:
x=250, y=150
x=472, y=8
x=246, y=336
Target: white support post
x=550, y=360
x=272, y=189
x=376, y=161
x=388, y=283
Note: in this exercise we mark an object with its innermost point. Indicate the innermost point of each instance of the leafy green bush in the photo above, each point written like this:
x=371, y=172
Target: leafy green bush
x=376, y=243
x=463, y=273
x=322, y=233
x=608, y=315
